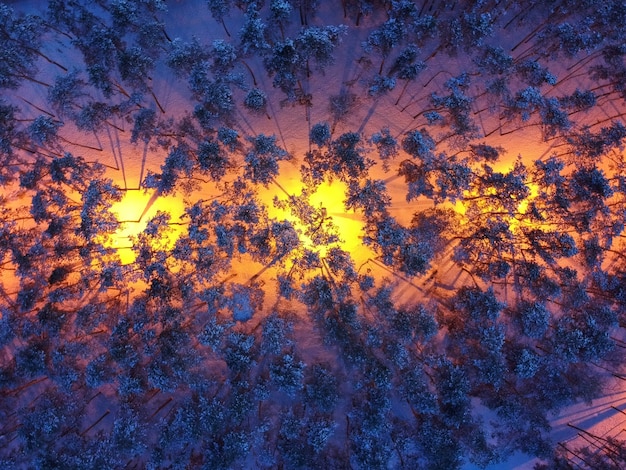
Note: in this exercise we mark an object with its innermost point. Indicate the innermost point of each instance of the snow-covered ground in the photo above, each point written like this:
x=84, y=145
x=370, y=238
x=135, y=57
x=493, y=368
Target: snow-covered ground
x=401, y=111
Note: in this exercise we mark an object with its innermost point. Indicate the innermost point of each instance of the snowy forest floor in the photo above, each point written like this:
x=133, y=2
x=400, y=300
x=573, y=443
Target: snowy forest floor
x=434, y=135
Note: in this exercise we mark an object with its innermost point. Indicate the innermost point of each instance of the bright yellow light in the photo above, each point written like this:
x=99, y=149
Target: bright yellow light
x=521, y=219
x=517, y=221
x=133, y=213
x=459, y=207
x=328, y=199
x=349, y=224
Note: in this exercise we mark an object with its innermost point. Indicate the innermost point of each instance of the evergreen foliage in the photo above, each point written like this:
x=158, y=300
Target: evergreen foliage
x=258, y=327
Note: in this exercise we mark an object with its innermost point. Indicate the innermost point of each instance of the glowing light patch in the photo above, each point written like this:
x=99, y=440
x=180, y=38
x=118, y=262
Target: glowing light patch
x=328, y=200
x=134, y=211
x=349, y=224
x=522, y=219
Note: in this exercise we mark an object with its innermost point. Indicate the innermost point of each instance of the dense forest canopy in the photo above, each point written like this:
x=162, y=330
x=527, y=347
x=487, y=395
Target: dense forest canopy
x=308, y=234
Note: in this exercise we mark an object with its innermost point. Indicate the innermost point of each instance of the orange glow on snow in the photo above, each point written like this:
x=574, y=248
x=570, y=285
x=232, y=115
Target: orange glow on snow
x=134, y=211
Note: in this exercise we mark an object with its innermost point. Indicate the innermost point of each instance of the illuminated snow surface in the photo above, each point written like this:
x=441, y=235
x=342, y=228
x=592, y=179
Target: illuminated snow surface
x=241, y=287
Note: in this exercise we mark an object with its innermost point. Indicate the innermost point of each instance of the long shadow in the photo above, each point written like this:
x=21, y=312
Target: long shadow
x=150, y=203
x=243, y=122
x=616, y=399
x=568, y=431
x=598, y=418
x=146, y=208
x=591, y=418
x=116, y=146
x=369, y=114
x=143, y=164
x=272, y=112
